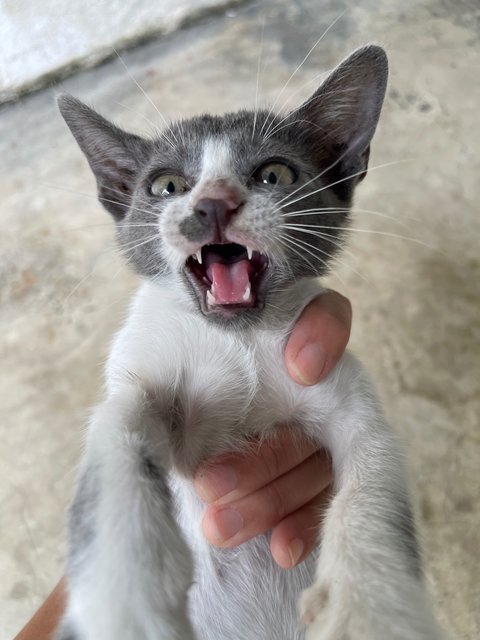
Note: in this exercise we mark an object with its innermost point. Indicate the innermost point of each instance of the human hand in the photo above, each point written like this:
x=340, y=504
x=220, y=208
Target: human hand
x=285, y=484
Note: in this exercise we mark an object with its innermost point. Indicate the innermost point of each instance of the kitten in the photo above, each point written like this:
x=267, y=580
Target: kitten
x=203, y=214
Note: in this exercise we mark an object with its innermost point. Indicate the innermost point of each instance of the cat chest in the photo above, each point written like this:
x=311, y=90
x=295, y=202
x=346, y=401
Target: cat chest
x=211, y=387
x=227, y=392
x=249, y=380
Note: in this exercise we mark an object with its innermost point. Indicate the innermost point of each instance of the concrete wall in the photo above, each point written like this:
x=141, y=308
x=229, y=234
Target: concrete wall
x=41, y=39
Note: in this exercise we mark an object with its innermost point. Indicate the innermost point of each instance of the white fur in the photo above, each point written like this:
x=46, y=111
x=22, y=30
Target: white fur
x=216, y=159
x=134, y=578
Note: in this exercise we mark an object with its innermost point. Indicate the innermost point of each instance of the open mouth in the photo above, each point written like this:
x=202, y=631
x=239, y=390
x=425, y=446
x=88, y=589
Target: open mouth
x=228, y=276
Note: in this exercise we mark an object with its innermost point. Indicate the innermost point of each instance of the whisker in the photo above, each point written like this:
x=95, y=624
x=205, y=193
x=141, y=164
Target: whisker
x=315, y=79
x=88, y=275
x=109, y=224
x=314, y=211
x=327, y=210
x=95, y=197
x=273, y=129
x=128, y=206
x=277, y=128
x=389, y=234
x=179, y=126
x=329, y=238
x=135, y=244
x=258, y=76
x=333, y=184
x=149, y=99
x=319, y=175
x=299, y=67
x=137, y=113
x=121, y=299
x=300, y=243
x=269, y=132
x=299, y=253
x=332, y=240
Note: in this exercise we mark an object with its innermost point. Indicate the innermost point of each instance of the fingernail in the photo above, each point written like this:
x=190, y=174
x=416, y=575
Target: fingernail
x=215, y=482
x=228, y=523
x=309, y=363
x=295, y=550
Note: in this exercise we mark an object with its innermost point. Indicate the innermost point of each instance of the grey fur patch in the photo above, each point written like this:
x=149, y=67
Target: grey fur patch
x=155, y=475
x=402, y=522
x=65, y=632
x=194, y=228
x=82, y=517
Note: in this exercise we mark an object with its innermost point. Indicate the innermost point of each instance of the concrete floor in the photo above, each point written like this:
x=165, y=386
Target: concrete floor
x=417, y=308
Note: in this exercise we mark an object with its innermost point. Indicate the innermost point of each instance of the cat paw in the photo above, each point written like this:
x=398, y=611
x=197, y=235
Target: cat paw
x=324, y=611
x=331, y=610
x=312, y=603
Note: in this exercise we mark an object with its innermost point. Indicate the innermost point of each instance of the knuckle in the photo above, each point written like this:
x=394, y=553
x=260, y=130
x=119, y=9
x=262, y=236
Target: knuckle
x=273, y=461
x=323, y=463
x=276, y=503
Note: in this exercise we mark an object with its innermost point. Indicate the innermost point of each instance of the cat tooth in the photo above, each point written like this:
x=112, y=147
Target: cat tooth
x=247, y=293
x=211, y=301
x=198, y=256
x=249, y=252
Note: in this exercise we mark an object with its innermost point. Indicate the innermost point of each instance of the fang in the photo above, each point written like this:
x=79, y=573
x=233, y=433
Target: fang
x=211, y=301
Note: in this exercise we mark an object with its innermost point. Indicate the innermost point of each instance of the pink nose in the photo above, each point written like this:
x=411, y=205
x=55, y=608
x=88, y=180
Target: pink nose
x=215, y=213
x=217, y=204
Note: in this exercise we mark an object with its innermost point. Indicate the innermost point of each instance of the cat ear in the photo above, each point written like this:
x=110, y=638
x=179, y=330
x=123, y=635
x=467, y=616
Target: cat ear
x=344, y=111
x=113, y=155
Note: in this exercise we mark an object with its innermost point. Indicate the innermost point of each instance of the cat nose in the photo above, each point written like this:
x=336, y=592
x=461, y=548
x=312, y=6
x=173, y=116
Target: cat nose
x=216, y=213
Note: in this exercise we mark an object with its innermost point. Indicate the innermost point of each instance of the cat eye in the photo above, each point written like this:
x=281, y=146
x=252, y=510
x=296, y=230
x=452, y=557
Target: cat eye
x=274, y=173
x=168, y=185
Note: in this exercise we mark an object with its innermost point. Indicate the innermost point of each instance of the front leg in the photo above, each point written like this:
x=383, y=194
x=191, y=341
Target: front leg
x=368, y=582
x=130, y=568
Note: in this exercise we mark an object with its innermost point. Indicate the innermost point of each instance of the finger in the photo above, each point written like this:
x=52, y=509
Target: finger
x=232, y=524
x=319, y=338
x=295, y=537
x=237, y=475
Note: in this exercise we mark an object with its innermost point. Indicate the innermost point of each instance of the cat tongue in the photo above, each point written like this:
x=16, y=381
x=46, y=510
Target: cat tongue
x=230, y=282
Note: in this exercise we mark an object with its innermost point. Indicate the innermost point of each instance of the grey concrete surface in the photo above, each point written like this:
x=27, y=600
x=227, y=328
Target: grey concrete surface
x=45, y=39
x=64, y=290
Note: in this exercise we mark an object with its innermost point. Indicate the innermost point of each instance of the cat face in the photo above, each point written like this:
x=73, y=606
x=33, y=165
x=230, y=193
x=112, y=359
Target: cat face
x=235, y=208
x=221, y=203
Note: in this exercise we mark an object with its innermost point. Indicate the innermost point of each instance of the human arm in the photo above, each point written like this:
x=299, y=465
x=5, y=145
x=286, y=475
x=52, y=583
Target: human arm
x=44, y=622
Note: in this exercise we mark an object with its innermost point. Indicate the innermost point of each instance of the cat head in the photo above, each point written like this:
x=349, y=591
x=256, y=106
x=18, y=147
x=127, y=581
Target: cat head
x=236, y=208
